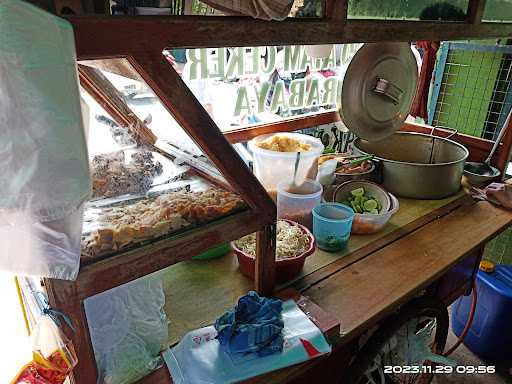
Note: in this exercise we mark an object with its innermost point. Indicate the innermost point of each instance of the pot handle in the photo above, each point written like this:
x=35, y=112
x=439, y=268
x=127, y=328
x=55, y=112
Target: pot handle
x=378, y=172
x=454, y=131
x=388, y=89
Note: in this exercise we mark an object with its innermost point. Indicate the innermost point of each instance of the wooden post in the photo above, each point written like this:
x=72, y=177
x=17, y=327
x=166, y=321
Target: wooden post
x=476, y=10
x=265, y=260
x=503, y=152
x=63, y=295
x=336, y=10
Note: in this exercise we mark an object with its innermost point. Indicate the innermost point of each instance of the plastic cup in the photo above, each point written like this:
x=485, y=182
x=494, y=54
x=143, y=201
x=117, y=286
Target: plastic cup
x=332, y=223
x=295, y=203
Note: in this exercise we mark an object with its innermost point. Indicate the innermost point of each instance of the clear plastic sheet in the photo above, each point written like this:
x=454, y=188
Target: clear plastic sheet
x=43, y=153
x=128, y=328
x=199, y=358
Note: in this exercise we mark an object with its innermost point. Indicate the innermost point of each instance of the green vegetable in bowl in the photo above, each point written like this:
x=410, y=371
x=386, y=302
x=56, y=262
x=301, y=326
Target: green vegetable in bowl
x=363, y=203
x=370, y=205
x=357, y=192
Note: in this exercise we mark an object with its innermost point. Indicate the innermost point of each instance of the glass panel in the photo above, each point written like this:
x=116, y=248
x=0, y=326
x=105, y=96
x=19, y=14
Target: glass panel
x=498, y=10
x=445, y=10
x=300, y=8
x=103, y=133
x=257, y=85
x=144, y=192
x=307, y=8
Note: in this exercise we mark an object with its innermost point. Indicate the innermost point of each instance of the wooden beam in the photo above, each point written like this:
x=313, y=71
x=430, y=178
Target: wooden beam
x=112, y=101
x=120, y=36
x=289, y=125
x=475, y=12
x=119, y=67
x=190, y=114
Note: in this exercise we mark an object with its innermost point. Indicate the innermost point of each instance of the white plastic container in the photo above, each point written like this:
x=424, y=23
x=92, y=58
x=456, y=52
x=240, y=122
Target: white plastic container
x=296, y=205
x=272, y=168
x=366, y=224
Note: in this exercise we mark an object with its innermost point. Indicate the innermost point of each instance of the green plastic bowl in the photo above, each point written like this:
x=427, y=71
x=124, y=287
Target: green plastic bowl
x=213, y=253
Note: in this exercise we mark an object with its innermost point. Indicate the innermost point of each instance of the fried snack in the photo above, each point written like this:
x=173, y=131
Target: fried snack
x=112, y=176
x=283, y=143
x=119, y=227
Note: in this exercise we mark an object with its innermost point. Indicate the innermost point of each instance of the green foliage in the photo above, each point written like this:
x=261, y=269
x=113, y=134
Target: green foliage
x=408, y=9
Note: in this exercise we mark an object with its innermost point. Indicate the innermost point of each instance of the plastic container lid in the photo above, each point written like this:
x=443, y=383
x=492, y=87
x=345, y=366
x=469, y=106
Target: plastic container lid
x=378, y=89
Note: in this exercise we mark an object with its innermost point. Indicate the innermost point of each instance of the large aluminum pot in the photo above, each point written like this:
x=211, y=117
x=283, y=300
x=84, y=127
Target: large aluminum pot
x=417, y=165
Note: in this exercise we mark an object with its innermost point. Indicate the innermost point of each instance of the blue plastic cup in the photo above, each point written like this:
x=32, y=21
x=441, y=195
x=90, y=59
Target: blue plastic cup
x=332, y=223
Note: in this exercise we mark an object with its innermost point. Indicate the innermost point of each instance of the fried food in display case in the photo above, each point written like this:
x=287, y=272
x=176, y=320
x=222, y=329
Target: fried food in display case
x=110, y=229
x=118, y=173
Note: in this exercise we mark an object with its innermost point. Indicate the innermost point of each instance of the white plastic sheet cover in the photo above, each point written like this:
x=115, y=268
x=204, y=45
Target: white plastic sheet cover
x=43, y=155
x=128, y=328
x=199, y=358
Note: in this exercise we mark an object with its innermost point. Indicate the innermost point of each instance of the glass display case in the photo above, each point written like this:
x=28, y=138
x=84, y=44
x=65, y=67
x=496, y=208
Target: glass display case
x=143, y=193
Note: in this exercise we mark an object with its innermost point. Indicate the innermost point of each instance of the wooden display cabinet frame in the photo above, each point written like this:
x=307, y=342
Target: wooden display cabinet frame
x=100, y=276
x=141, y=40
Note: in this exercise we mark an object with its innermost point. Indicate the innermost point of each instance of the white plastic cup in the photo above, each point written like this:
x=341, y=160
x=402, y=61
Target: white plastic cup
x=296, y=204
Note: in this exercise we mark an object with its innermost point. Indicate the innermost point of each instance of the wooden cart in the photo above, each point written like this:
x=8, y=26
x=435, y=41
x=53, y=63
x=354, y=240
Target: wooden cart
x=429, y=247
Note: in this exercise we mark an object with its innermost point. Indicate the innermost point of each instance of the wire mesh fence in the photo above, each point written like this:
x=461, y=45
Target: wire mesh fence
x=472, y=89
x=499, y=249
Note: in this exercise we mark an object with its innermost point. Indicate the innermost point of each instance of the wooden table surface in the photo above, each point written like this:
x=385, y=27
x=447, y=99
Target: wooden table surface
x=197, y=292
x=360, y=293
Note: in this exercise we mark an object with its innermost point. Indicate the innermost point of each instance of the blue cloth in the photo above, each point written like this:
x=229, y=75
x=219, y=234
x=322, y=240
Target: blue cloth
x=254, y=325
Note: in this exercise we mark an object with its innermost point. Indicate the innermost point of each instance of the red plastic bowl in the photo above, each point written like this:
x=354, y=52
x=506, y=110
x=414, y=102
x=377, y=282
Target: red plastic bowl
x=286, y=269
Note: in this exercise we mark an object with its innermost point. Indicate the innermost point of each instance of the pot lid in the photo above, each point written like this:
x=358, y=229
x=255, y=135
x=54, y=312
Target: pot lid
x=378, y=89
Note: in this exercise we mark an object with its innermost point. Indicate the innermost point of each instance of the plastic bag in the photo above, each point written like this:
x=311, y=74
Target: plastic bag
x=128, y=329
x=43, y=153
x=199, y=357
x=53, y=356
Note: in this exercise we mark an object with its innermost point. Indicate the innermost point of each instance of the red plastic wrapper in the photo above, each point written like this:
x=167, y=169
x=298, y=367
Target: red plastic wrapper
x=53, y=356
